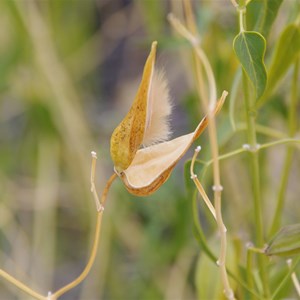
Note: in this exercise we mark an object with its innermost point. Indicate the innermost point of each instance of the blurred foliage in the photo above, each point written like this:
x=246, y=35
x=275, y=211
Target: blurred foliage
x=68, y=72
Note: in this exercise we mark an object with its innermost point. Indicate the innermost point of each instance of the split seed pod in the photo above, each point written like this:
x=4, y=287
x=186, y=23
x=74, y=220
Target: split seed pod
x=128, y=136
x=142, y=157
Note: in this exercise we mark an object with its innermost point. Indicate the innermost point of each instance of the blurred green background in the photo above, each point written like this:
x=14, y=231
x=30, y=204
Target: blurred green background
x=69, y=70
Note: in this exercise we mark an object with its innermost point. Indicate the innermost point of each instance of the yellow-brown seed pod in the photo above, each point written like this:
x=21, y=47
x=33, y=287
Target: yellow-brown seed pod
x=152, y=166
x=128, y=136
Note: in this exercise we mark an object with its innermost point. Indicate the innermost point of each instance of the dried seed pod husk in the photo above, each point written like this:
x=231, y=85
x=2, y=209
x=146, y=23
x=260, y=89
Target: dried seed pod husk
x=152, y=165
x=128, y=136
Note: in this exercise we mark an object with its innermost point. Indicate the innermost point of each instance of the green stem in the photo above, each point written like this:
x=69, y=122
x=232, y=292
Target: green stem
x=212, y=96
x=207, y=163
x=233, y=97
x=265, y=130
x=292, y=122
x=255, y=176
x=280, y=142
x=200, y=236
x=276, y=223
x=249, y=270
x=286, y=278
x=242, y=21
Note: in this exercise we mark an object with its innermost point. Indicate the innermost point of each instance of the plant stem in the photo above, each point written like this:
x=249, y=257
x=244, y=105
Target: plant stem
x=199, y=185
x=233, y=97
x=22, y=286
x=294, y=277
x=209, y=103
x=292, y=122
x=265, y=130
x=89, y=265
x=218, y=207
x=251, y=137
x=255, y=177
x=280, y=142
x=286, y=278
x=242, y=20
x=91, y=260
x=249, y=270
x=100, y=208
x=244, y=149
x=206, y=249
x=276, y=223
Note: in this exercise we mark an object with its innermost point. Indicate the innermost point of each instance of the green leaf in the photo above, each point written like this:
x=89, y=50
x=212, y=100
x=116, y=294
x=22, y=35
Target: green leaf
x=287, y=49
x=200, y=237
x=198, y=232
x=233, y=96
x=270, y=11
x=250, y=47
x=286, y=241
x=285, y=280
x=207, y=279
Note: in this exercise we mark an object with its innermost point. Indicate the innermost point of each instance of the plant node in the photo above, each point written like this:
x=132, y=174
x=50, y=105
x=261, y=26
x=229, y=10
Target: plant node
x=251, y=148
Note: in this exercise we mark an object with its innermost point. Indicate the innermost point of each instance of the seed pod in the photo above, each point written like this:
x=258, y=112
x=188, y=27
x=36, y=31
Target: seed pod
x=142, y=157
x=128, y=136
x=152, y=165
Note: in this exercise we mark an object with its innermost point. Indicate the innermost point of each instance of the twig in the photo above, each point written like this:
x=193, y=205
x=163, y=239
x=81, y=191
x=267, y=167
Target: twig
x=217, y=188
x=82, y=276
x=21, y=286
x=294, y=277
x=100, y=209
x=199, y=185
x=93, y=188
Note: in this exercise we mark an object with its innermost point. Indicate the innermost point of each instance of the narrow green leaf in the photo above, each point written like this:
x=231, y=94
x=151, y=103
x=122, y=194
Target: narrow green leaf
x=287, y=49
x=270, y=11
x=198, y=232
x=286, y=278
x=207, y=280
x=233, y=97
x=250, y=47
x=200, y=237
x=286, y=242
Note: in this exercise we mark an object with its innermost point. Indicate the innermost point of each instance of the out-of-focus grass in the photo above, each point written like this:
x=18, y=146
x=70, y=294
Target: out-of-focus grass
x=68, y=71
